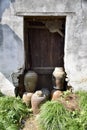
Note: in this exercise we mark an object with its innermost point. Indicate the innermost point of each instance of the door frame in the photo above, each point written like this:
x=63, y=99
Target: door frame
x=32, y=18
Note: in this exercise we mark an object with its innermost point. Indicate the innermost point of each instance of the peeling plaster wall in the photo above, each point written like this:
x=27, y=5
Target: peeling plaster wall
x=47, y=6
x=76, y=48
x=11, y=40
x=75, y=59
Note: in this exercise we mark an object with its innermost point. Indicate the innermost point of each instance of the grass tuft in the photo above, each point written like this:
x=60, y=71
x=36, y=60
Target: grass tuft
x=12, y=111
x=54, y=116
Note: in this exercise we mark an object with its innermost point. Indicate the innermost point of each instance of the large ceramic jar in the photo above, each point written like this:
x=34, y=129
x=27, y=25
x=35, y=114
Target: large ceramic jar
x=30, y=81
x=58, y=78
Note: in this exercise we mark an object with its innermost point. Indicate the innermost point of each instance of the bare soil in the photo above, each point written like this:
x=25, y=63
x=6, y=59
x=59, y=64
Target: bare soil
x=31, y=124
x=70, y=102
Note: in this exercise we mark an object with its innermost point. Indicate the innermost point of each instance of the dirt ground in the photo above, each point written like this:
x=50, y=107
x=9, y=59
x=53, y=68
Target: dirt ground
x=31, y=124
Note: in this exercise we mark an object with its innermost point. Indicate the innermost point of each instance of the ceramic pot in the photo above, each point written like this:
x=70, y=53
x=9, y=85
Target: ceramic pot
x=27, y=98
x=37, y=99
x=56, y=94
x=46, y=92
x=58, y=78
x=30, y=81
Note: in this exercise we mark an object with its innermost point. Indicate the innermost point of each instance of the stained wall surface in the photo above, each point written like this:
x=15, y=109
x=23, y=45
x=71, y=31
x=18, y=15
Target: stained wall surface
x=11, y=35
x=11, y=40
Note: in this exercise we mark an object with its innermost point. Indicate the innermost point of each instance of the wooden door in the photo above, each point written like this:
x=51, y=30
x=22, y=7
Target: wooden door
x=44, y=52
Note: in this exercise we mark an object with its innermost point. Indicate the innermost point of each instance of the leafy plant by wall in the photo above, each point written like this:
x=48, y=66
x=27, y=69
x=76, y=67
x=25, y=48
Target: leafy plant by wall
x=55, y=116
x=12, y=111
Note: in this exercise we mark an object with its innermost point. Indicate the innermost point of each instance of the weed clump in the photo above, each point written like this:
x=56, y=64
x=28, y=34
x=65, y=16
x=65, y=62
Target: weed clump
x=12, y=111
x=54, y=115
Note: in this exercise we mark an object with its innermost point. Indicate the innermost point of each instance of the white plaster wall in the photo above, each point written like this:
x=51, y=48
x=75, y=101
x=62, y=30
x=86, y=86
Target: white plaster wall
x=76, y=48
x=75, y=59
x=47, y=6
x=11, y=39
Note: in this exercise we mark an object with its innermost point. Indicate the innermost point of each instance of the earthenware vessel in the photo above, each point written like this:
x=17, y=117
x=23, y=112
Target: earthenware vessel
x=27, y=98
x=58, y=78
x=56, y=94
x=37, y=99
x=30, y=81
x=46, y=92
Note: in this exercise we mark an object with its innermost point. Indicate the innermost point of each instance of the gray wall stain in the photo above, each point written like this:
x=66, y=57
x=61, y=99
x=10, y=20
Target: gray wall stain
x=4, y=4
x=9, y=50
x=1, y=37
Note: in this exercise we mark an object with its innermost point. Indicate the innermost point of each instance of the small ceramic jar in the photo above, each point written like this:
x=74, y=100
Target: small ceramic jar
x=37, y=99
x=27, y=98
x=46, y=92
x=56, y=94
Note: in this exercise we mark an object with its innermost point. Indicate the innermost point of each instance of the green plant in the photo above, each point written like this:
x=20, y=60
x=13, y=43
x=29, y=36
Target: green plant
x=1, y=95
x=82, y=95
x=12, y=111
x=54, y=116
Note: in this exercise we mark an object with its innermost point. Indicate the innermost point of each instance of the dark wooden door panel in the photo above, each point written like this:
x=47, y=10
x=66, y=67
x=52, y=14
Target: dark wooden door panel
x=46, y=48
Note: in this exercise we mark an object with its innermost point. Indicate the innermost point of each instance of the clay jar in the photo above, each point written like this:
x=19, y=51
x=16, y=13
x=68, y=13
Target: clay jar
x=56, y=94
x=58, y=78
x=30, y=81
x=37, y=99
x=27, y=98
x=46, y=92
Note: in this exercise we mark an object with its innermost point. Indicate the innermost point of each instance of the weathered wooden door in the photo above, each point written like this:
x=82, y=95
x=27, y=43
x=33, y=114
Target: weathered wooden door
x=44, y=52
